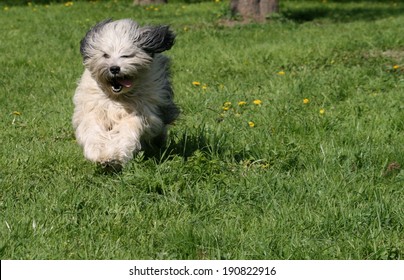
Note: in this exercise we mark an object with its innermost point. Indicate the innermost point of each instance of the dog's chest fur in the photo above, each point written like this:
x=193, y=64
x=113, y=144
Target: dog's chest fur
x=113, y=110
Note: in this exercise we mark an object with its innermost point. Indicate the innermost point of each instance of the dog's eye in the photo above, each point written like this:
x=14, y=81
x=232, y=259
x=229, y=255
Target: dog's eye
x=126, y=56
x=106, y=55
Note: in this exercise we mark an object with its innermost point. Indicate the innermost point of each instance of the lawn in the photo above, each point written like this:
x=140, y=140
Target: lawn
x=289, y=144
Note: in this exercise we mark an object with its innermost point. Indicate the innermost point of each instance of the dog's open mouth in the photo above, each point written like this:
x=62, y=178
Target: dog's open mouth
x=117, y=84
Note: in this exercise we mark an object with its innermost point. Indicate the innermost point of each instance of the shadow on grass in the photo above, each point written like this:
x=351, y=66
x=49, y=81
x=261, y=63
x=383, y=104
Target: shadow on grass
x=186, y=144
x=345, y=12
x=182, y=145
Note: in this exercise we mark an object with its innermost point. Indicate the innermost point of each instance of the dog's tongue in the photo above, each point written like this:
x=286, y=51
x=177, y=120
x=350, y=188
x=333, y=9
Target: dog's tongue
x=125, y=83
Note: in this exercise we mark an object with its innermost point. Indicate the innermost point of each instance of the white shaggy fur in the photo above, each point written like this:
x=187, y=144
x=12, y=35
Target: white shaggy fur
x=124, y=99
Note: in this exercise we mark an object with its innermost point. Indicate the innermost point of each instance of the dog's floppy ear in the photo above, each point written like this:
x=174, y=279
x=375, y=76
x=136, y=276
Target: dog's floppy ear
x=87, y=41
x=156, y=39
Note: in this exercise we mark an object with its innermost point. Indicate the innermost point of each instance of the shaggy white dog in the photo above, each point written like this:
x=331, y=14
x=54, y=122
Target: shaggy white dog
x=124, y=101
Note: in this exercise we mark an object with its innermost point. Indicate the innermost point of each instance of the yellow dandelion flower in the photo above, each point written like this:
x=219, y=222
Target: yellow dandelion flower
x=204, y=87
x=69, y=4
x=6, y=8
x=281, y=73
x=257, y=102
x=186, y=28
x=242, y=103
x=196, y=83
x=395, y=67
x=251, y=124
x=322, y=111
x=306, y=101
x=156, y=9
x=16, y=113
x=226, y=106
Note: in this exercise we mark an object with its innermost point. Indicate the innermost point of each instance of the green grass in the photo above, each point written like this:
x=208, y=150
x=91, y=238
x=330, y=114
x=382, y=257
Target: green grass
x=298, y=185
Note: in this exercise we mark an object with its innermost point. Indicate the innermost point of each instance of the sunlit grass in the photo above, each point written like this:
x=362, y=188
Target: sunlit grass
x=289, y=145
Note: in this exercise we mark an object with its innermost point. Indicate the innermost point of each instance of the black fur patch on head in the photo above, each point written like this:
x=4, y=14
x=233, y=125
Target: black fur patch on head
x=156, y=39
x=84, y=43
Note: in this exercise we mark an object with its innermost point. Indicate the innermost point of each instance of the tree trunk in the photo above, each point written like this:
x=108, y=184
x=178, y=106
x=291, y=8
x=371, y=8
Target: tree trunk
x=254, y=9
x=149, y=2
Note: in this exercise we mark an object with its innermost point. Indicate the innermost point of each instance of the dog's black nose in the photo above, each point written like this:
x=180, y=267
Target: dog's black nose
x=115, y=69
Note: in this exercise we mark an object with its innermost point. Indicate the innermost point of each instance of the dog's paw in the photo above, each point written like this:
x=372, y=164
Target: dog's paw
x=95, y=153
x=102, y=154
x=109, y=155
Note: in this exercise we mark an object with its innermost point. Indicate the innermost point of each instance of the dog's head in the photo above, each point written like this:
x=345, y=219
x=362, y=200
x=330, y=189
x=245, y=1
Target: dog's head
x=117, y=53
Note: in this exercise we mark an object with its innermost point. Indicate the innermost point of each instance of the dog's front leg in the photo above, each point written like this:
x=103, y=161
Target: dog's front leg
x=124, y=139
x=94, y=138
x=110, y=145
